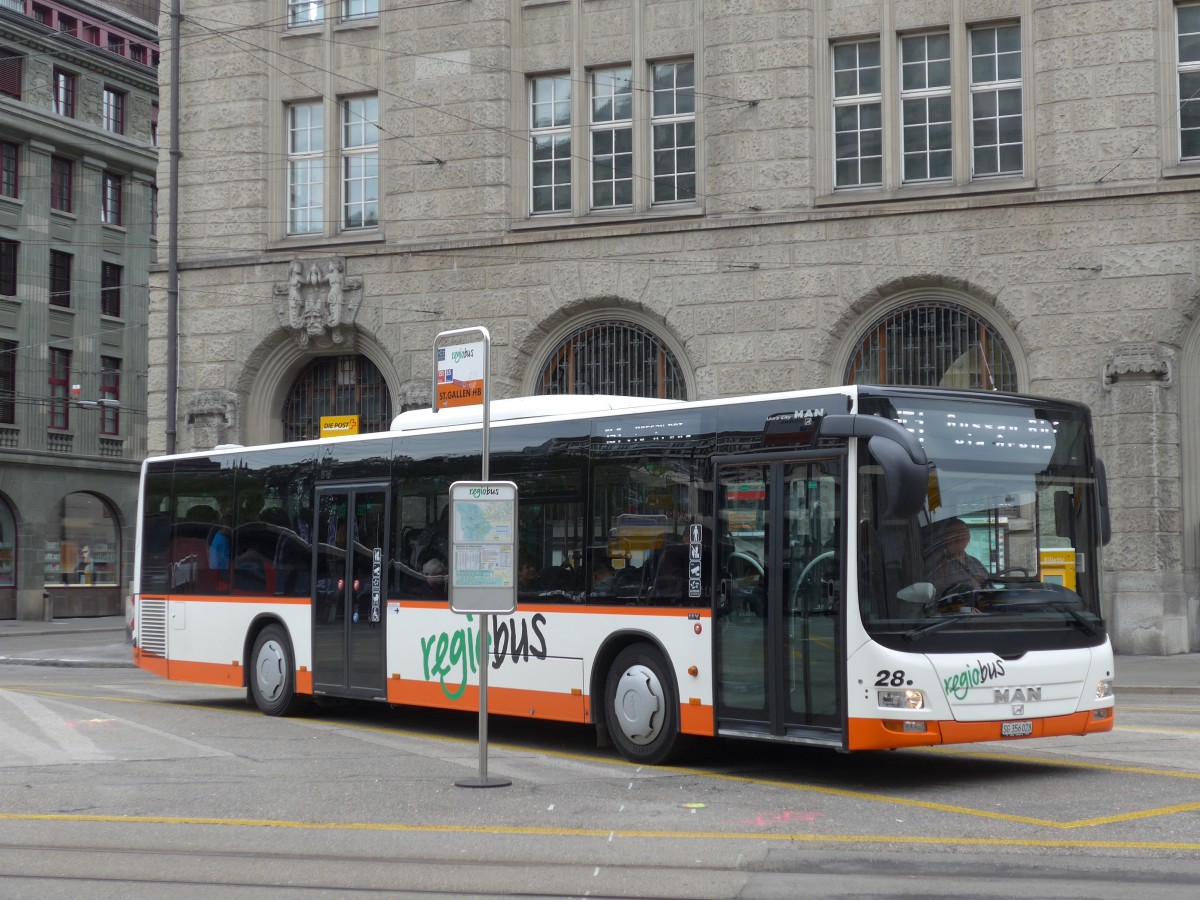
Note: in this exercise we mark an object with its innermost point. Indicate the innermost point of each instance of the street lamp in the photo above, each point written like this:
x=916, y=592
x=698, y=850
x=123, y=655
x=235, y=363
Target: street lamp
x=106, y=403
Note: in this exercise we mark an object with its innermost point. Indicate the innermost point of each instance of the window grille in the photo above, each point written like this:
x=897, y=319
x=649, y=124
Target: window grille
x=932, y=344
x=337, y=386
x=613, y=358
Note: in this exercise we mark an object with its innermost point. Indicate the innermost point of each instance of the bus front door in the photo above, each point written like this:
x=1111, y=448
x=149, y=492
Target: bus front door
x=349, y=547
x=779, y=548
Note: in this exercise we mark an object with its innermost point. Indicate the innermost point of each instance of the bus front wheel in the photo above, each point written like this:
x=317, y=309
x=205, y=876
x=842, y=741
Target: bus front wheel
x=273, y=673
x=642, y=709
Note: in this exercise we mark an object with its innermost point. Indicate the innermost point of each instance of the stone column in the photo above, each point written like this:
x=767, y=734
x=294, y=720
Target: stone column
x=1147, y=600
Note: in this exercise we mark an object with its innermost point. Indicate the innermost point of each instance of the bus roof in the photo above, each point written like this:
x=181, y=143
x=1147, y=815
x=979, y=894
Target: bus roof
x=524, y=408
x=550, y=406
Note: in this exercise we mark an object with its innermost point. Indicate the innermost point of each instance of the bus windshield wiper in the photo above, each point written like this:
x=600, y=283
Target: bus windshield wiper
x=1062, y=606
x=936, y=625
x=1089, y=627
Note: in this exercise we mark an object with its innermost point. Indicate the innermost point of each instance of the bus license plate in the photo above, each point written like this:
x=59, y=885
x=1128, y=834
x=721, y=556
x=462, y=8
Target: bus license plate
x=1016, y=729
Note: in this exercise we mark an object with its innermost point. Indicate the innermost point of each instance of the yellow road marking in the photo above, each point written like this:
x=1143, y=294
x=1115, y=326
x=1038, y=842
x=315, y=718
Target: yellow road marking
x=1062, y=763
x=808, y=788
x=1164, y=730
x=604, y=833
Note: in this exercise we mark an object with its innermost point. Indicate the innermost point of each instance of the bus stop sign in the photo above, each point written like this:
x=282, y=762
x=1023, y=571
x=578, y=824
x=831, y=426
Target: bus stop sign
x=483, y=547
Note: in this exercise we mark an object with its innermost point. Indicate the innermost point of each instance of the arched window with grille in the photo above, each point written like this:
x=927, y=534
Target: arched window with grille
x=933, y=344
x=613, y=357
x=337, y=386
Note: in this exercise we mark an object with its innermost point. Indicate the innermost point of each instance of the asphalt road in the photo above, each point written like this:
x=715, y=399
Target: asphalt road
x=114, y=783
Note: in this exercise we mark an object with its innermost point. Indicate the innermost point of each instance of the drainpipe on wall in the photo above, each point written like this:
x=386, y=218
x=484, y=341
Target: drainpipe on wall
x=173, y=238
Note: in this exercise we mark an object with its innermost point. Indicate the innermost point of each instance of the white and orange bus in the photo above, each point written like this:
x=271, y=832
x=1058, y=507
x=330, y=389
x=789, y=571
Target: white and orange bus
x=858, y=567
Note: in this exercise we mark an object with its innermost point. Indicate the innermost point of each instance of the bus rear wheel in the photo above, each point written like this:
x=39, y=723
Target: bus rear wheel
x=642, y=710
x=273, y=673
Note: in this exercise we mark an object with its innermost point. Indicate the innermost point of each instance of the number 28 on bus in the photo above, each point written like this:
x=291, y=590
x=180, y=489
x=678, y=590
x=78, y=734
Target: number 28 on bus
x=858, y=568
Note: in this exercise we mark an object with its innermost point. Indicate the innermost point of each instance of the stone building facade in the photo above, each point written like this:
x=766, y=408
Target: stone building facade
x=764, y=193
x=78, y=104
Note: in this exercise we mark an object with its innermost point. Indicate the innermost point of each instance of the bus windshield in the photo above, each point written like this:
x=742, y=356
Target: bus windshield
x=1003, y=555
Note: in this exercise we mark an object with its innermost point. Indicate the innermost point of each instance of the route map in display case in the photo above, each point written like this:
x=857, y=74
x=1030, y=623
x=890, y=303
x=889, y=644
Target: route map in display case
x=7, y=565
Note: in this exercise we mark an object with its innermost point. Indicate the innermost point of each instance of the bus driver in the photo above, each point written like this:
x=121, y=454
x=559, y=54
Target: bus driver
x=955, y=570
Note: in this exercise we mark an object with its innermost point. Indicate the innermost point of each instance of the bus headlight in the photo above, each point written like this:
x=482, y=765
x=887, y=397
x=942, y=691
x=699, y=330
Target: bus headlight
x=906, y=699
x=1104, y=688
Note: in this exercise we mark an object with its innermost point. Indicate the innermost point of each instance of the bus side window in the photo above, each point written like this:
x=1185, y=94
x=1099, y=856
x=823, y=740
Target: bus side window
x=420, y=536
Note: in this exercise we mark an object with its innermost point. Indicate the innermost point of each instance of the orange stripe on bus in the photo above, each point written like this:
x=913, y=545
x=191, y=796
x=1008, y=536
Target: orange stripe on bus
x=696, y=719
x=235, y=598
x=501, y=701
x=679, y=612
x=874, y=734
x=555, y=707
x=155, y=665
x=207, y=673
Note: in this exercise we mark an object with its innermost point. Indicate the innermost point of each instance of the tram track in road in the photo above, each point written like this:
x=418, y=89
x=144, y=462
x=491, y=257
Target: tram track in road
x=51, y=869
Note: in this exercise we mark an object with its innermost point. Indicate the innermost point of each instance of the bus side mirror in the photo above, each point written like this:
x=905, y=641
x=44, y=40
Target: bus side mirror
x=905, y=481
x=898, y=452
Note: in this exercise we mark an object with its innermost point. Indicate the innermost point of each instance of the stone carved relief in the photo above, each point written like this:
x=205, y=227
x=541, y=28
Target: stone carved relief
x=211, y=418
x=1137, y=362
x=319, y=303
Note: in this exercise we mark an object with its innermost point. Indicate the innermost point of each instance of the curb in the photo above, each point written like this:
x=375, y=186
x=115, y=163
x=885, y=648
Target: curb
x=1155, y=689
x=8, y=634
x=65, y=663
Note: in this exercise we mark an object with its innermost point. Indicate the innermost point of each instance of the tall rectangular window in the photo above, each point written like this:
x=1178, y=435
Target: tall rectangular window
x=925, y=106
x=110, y=199
x=154, y=125
x=997, y=129
x=110, y=289
x=8, y=382
x=60, y=278
x=8, y=268
x=114, y=111
x=612, y=138
x=154, y=210
x=857, y=115
x=360, y=9
x=12, y=65
x=60, y=184
x=59, y=384
x=360, y=162
x=673, y=126
x=550, y=139
x=1189, y=81
x=306, y=167
x=110, y=390
x=9, y=168
x=64, y=93
x=305, y=12
x=68, y=25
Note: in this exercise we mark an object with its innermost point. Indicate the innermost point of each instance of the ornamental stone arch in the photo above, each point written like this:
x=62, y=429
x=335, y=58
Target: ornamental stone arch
x=929, y=307
x=272, y=369
x=627, y=319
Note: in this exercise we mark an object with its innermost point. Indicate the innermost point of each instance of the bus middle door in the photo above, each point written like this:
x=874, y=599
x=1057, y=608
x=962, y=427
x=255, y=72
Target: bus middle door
x=349, y=591
x=779, y=557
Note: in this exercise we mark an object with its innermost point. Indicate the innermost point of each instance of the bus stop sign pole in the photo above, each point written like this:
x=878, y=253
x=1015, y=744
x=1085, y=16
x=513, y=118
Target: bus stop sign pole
x=482, y=535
